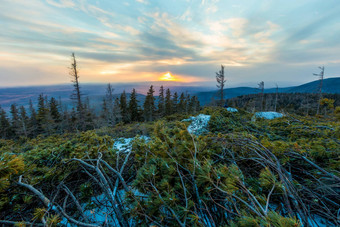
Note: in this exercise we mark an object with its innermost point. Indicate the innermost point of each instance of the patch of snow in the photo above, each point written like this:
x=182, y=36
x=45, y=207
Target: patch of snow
x=102, y=210
x=317, y=221
x=125, y=144
x=232, y=110
x=268, y=115
x=199, y=124
x=189, y=119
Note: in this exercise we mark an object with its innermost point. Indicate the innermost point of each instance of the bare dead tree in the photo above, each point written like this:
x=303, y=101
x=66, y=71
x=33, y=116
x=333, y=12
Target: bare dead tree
x=76, y=95
x=276, y=97
x=110, y=105
x=261, y=88
x=321, y=76
x=220, y=78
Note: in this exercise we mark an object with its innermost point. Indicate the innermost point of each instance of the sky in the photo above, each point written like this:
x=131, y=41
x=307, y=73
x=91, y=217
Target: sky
x=275, y=41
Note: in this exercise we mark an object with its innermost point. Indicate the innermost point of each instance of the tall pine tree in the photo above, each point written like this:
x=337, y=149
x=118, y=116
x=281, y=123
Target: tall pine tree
x=23, y=121
x=182, y=104
x=161, y=102
x=42, y=114
x=15, y=122
x=124, y=108
x=133, y=107
x=168, y=102
x=55, y=117
x=5, y=127
x=175, y=103
x=116, y=111
x=149, y=105
x=33, y=121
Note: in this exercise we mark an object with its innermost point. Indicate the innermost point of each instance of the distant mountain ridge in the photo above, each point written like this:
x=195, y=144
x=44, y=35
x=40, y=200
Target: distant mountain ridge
x=330, y=85
x=96, y=92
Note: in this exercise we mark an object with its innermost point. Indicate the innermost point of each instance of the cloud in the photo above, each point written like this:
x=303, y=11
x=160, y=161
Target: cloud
x=305, y=31
x=143, y=1
x=123, y=40
x=61, y=3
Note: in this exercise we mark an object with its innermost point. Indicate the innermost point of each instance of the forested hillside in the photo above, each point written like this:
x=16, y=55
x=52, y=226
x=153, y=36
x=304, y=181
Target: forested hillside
x=298, y=103
x=330, y=86
x=52, y=117
x=238, y=171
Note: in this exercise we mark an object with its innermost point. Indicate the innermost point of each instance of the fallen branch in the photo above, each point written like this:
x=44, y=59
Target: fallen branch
x=56, y=208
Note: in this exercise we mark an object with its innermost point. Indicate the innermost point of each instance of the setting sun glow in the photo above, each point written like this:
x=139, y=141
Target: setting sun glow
x=167, y=77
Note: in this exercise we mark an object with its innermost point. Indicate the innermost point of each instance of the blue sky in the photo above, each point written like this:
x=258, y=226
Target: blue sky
x=280, y=42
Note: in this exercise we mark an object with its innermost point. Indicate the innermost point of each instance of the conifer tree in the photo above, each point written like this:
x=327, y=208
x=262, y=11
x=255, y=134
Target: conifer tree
x=187, y=102
x=33, y=122
x=123, y=107
x=55, y=117
x=175, y=103
x=5, y=127
x=182, y=104
x=72, y=123
x=133, y=106
x=89, y=116
x=197, y=104
x=149, y=105
x=161, y=102
x=168, y=102
x=15, y=122
x=194, y=105
x=116, y=111
x=23, y=121
x=104, y=112
x=54, y=110
x=42, y=114
x=65, y=121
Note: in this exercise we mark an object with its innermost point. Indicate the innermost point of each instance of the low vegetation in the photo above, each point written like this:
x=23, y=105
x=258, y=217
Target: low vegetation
x=240, y=172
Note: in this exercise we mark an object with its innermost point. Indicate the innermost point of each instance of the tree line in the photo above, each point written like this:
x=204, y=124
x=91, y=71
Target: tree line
x=50, y=117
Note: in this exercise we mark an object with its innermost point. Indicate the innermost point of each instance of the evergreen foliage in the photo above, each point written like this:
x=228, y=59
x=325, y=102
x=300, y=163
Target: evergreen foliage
x=161, y=102
x=168, y=102
x=124, y=107
x=133, y=107
x=280, y=172
x=175, y=103
x=149, y=106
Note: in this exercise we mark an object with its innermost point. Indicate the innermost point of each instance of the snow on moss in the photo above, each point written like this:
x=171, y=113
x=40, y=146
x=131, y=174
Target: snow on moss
x=268, y=115
x=198, y=124
x=232, y=110
x=125, y=144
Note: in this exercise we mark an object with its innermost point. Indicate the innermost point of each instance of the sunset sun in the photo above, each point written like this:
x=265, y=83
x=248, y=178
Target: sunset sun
x=167, y=77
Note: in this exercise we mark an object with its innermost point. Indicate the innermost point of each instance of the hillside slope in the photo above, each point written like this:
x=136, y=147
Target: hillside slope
x=330, y=85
